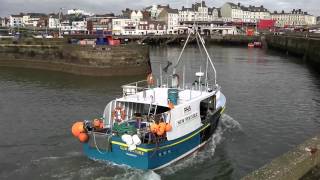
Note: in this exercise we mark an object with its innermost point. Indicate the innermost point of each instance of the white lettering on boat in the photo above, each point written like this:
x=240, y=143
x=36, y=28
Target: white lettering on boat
x=187, y=119
x=134, y=151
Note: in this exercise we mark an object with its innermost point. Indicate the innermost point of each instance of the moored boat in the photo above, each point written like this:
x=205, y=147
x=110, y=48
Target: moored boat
x=250, y=45
x=156, y=122
x=257, y=44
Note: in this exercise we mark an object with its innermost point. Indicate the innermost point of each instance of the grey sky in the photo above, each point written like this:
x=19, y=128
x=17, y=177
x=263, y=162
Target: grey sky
x=8, y=7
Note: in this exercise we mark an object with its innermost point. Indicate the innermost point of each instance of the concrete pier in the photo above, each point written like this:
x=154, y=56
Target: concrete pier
x=124, y=60
x=296, y=164
x=305, y=47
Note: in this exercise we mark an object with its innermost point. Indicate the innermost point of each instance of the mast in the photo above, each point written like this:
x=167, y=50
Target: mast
x=209, y=60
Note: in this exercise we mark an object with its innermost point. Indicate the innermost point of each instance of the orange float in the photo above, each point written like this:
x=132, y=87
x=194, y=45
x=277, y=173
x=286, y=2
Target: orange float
x=171, y=105
x=150, y=79
x=96, y=123
x=168, y=127
x=162, y=125
x=101, y=125
x=160, y=131
x=154, y=127
x=83, y=137
x=77, y=128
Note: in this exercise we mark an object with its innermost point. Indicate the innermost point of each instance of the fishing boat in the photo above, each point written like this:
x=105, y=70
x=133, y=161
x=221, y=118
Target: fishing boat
x=157, y=121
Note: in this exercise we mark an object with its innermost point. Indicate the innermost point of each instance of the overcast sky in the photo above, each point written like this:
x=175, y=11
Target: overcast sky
x=8, y=7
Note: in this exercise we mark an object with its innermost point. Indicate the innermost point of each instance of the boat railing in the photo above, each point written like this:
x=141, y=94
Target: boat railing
x=135, y=87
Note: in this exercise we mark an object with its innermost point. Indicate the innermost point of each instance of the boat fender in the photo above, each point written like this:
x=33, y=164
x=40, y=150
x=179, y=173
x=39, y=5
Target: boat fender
x=136, y=140
x=77, y=128
x=127, y=139
x=132, y=147
x=83, y=137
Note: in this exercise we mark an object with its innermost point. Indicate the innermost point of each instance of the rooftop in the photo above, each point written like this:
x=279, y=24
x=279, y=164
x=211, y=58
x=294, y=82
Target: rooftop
x=249, y=8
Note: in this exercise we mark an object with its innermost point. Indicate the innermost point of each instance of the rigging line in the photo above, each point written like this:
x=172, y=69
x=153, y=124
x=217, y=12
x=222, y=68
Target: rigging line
x=199, y=46
x=212, y=65
x=179, y=58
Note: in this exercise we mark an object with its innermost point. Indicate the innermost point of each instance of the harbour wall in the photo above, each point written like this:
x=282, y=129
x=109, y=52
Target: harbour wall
x=179, y=39
x=123, y=60
x=301, y=163
x=307, y=48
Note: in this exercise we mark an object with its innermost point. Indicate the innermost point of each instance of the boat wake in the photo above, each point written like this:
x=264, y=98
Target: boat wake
x=227, y=123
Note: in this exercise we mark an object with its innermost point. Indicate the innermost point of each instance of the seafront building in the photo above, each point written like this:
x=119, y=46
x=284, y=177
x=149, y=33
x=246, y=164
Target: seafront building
x=231, y=18
x=79, y=11
x=240, y=13
x=198, y=12
x=171, y=18
x=16, y=20
x=53, y=21
x=99, y=24
x=294, y=18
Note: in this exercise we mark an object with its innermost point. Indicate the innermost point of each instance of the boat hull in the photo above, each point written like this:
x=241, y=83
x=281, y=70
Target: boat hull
x=151, y=156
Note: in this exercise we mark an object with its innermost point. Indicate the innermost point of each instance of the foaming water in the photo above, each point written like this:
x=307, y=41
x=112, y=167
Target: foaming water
x=227, y=123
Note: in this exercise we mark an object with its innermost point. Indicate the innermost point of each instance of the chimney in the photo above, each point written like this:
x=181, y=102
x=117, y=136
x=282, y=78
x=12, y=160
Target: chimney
x=261, y=6
x=239, y=4
x=282, y=11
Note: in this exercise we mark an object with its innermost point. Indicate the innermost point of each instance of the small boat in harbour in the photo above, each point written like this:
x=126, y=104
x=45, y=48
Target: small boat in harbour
x=250, y=45
x=257, y=44
x=157, y=121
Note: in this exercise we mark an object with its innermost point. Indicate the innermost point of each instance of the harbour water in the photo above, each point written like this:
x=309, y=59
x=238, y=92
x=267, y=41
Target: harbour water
x=273, y=104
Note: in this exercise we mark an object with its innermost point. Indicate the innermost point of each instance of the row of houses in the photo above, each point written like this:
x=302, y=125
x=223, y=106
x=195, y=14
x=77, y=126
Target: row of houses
x=240, y=13
x=158, y=19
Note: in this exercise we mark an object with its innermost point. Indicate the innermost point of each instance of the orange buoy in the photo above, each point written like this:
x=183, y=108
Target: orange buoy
x=162, y=125
x=154, y=127
x=160, y=131
x=168, y=127
x=171, y=105
x=150, y=79
x=77, y=128
x=83, y=137
x=101, y=125
x=96, y=123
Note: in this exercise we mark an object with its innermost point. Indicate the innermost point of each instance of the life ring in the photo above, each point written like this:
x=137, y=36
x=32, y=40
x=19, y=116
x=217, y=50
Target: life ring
x=119, y=114
x=150, y=79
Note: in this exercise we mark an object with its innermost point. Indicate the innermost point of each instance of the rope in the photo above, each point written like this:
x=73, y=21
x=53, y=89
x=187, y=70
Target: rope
x=95, y=143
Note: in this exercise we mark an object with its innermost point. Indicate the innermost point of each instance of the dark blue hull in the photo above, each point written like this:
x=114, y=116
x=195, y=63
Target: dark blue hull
x=151, y=156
